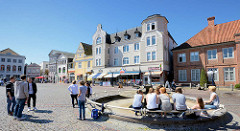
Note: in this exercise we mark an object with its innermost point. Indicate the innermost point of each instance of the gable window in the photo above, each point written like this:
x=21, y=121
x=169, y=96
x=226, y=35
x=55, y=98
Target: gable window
x=151, y=26
x=229, y=74
x=136, y=46
x=125, y=48
x=125, y=60
x=115, y=50
x=195, y=74
x=212, y=54
x=228, y=52
x=99, y=40
x=182, y=75
x=194, y=56
x=115, y=62
x=80, y=65
x=148, y=41
x=153, y=55
x=182, y=57
x=148, y=56
x=153, y=40
x=136, y=59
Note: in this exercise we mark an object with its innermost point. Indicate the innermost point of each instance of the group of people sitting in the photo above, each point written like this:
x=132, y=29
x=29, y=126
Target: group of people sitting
x=159, y=99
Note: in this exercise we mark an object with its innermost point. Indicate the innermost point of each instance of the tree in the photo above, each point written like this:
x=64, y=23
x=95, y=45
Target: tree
x=46, y=72
x=203, y=78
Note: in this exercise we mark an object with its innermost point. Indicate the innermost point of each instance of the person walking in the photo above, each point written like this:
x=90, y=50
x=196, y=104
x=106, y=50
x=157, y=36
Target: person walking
x=10, y=96
x=73, y=88
x=32, y=90
x=82, y=100
x=21, y=92
x=89, y=89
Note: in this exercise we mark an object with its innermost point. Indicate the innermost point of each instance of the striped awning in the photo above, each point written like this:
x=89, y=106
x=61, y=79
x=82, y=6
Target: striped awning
x=153, y=73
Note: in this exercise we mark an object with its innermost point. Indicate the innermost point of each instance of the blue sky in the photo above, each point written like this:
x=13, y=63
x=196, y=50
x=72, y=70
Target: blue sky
x=34, y=27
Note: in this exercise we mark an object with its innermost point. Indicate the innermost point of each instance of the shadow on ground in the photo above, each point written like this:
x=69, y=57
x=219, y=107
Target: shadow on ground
x=34, y=119
x=43, y=111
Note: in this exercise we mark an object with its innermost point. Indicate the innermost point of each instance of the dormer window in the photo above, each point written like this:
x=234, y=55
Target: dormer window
x=99, y=40
x=137, y=33
x=126, y=36
x=117, y=38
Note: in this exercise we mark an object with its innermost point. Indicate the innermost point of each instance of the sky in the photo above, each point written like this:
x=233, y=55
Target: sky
x=35, y=27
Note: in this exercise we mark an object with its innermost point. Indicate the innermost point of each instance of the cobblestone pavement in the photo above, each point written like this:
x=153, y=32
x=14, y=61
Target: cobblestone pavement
x=55, y=112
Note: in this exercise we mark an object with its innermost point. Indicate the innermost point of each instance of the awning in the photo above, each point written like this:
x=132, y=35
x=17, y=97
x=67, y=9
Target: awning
x=110, y=76
x=95, y=76
x=40, y=77
x=153, y=73
x=129, y=74
x=102, y=75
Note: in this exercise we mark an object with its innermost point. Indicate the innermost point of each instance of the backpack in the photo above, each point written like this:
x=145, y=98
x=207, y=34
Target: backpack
x=94, y=114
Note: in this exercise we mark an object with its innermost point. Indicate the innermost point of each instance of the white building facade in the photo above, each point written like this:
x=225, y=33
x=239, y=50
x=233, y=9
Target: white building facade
x=11, y=64
x=44, y=66
x=142, y=53
x=33, y=70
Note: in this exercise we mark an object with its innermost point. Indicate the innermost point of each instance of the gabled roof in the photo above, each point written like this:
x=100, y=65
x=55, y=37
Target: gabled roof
x=215, y=34
x=8, y=50
x=87, y=48
x=33, y=65
x=67, y=54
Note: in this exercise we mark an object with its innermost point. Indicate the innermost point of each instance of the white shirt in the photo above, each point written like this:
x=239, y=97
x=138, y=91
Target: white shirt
x=30, y=88
x=216, y=101
x=151, y=103
x=73, y=88
x=137, y=102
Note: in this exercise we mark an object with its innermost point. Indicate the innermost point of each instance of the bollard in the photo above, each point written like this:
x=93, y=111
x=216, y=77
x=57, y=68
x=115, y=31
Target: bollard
x=190, y=84
x=231, y=85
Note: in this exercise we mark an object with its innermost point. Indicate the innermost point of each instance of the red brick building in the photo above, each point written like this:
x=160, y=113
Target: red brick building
x=216, y=48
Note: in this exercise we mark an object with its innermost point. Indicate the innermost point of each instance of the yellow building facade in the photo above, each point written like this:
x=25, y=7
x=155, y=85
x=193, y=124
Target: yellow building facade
x=83, y=62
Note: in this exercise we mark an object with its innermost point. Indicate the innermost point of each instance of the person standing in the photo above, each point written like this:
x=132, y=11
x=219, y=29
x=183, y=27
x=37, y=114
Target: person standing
x=21, y=92
x=89, y=89
x=73, y=88
x=32, y=90
x=82, y=100
x=10, y=96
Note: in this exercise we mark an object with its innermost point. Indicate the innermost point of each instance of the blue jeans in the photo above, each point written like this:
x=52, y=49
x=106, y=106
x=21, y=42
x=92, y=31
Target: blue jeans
x=10, y=103
x=20, y=103
x=81, y=105
x=210, y=107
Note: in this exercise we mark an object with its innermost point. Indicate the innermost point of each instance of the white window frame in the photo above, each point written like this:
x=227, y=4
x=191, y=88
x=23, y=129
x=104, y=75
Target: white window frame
x=126, y=60
x=211, y=56
x=226, y=70
x=149, y=56
x=194, y=58
x=194, y=76
x=154, y=39
x=179, y=55
x=136, y=59
x=149, y=26
x=125, y=48
x=116, y=50
x=179, y=75
x=100, y=50
x=115, y=64
x=136, y=46
x=148, y=39
x=99, y=62
x=228, y=52
x=154, y=55
x=97, y=51
x=99, y=40
x=96, y=62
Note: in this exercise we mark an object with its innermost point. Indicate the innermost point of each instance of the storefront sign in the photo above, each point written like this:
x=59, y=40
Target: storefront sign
x=153, y=68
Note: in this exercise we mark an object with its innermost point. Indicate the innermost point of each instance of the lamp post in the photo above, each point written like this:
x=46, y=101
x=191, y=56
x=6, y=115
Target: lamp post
x=112, y=79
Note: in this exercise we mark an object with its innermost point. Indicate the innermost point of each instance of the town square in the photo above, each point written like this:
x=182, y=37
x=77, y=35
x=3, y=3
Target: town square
x=119, y=65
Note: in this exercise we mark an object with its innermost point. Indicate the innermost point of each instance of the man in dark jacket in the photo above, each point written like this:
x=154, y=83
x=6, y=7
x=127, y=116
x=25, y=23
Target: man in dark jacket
x=32, y=90
x=10, y=96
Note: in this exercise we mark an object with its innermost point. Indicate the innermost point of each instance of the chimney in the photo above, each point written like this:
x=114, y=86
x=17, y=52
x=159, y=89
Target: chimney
x=211, y=21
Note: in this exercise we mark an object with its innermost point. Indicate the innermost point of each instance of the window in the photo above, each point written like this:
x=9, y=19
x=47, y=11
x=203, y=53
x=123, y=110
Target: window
x=213, y=72
x=2, y=68
x=19, y=61
x=195, y=74
x=89, y=64
x=136, y=59
x=14, y=60
x=212, y=54
x=154, y=55
x=229, y=74
x=100, y=50
x=125, y=48
x=29, y=71
x=153, y=26
x=182, y=75
x=14, y=68
x=115, y=50
x=96, y=50
x=59, y=70
x=64, y=69
x=148, y=41
x=228, y=52
x=96, y=62
x=126, y=37
x=8, y=68
x=194, y=56
x=125, y=60
x=108, y=50
x=99, y=60
x=3, y=59
x=136, y=46
x=182, y=57
x=148, y=27
x=115, y=62
x=153, y=40
x=19, y=68
x=46, y=66
x=8, y=60
x=137, y=34
x=80, y=65
x=99, y=40
x=148, y=56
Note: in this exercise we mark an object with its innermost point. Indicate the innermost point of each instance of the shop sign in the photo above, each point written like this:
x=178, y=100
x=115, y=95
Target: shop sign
x=153, y=68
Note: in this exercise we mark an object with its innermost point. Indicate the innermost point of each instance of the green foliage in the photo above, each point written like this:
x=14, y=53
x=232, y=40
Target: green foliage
x=237, y=86
x=203, y=78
